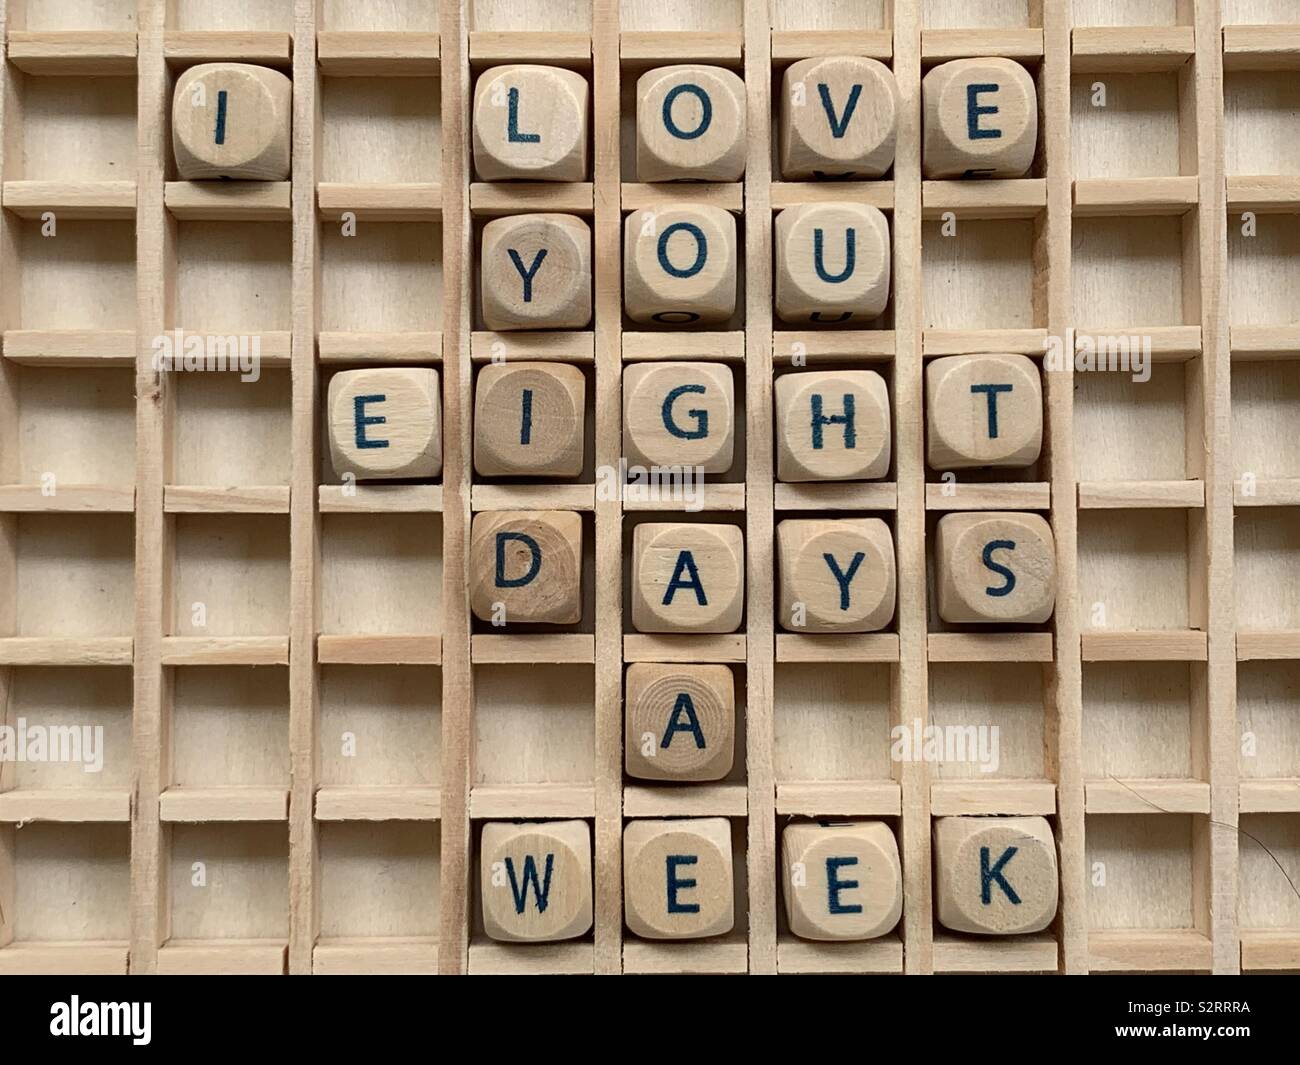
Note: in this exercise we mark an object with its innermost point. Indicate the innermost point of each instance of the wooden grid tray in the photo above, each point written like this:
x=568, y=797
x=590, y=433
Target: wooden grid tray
x=1175, y=503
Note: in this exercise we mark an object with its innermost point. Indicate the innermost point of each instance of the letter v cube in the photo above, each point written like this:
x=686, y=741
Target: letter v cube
x=535, y=880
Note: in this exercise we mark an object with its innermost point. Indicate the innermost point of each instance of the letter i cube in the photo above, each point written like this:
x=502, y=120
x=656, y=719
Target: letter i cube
x=535, y=880
x=526, y=566
x=232, y=120
x=841, y=881
x=680, y=721
x=983, y=410
x=385, y=423
x=529, y=420
x=678, y=879
x=995, y=566
x=832, y=425
x=995, y=875
x=981, y=119
x=687, y=577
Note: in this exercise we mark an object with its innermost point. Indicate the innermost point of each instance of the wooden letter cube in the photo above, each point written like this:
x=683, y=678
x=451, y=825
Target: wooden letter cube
x=839, y=115
x=832, y=262
x=536, y=272
x=832, y=425
x=837, y=575
x=842, y=880
x=995, y=567
x=983, y=410
x=690, y=123
x=535, y=880
x=677, y=878
x=679, y=414
x=687, y=577
x=526, y=566
x=232, y=120
x=530, y=122
x=385, y=423
x=529, y=420
x=680, y=722
x=981, y=119
x=994, y=875
x=679, y=265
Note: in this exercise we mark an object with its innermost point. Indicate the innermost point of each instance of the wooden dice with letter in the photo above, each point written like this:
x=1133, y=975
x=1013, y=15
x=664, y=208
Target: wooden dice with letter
x=980, y=119
x=535, y=880
x=832, y=425
x=679, y=265
x=832, y=263
x=232, y=120
x=690, y=124
x=536, y=272
x=529, y=420
x=530, y=122
x=385, y=423
x=678, y=878
x=526, y=566
x=687, y=577
x=841, y=880
x=995, y=566
x=839, y=117
x=680, y=721
x=994, y=875
x=983, y=410
x=679, y=414
x=836, y=575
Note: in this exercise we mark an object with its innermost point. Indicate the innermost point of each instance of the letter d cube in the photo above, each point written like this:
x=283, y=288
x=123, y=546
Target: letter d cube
x=526, y=566
x=385, y=423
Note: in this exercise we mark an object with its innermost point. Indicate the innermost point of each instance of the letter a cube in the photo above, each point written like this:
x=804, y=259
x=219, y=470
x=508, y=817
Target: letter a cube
x=687, y=577
x=841, y=881
x=535, y=880
x=677, y=878
x=995, y=875
x=526, y=566
x=995, y=566
x=680, y=721
x=385, y=424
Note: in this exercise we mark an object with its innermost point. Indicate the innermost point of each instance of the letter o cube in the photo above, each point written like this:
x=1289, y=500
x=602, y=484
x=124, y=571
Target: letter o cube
x=526, y=566
x=690, y=123
x=385, y=423
x=679, y=265
x=678, y=878
x=687, y=577
x=995, y=567
x=995, y=875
